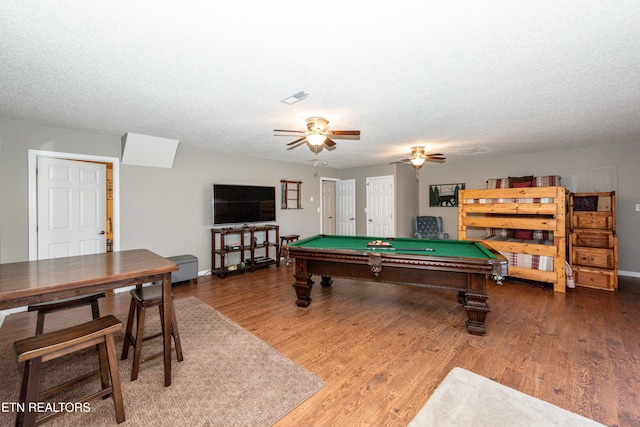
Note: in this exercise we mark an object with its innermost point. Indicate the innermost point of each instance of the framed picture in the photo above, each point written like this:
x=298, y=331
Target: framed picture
x=444, y=195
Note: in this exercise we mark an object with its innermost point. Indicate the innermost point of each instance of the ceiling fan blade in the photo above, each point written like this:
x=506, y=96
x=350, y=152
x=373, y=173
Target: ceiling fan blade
x=434, y=154
x=345, y=132
x=329, y=143
x=297, y=145
x=351, y=137
x=350, y=134
x=297, y=140
x=294, y=131
x=435, y=160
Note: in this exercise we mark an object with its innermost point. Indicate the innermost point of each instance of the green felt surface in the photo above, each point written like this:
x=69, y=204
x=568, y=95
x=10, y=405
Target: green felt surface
x=448, y=248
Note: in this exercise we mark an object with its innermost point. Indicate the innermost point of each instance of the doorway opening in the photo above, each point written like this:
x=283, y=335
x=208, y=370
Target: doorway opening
x=338, y=206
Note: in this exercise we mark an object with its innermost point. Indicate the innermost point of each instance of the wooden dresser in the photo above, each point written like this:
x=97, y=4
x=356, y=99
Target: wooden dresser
x=593, y=243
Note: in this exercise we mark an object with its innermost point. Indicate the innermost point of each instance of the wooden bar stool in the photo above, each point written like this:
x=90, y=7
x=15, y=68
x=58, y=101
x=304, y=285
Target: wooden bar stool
x=142, y=298
x=63, y=304
x=286, y=239
x=35, y=350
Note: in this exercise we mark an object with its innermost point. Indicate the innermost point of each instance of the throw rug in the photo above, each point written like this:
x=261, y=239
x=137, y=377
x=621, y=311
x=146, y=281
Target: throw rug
x=467, y=399
x=228, y=377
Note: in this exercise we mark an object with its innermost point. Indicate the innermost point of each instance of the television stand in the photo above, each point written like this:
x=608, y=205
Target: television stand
x=249, y=245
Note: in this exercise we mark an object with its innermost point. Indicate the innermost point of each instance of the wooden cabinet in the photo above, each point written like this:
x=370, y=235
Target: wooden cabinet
x=244, y=248
x=593, y=243
x=593, y=220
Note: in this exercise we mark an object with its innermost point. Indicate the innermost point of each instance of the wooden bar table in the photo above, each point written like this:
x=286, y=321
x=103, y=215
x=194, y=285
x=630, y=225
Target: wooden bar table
x=31, y=282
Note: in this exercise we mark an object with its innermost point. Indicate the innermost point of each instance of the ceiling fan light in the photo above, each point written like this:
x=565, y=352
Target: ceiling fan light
x=316, y=139
x=417, y=162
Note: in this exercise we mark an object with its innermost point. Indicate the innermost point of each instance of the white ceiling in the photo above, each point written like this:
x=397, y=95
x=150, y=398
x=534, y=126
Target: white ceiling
x=460, y=77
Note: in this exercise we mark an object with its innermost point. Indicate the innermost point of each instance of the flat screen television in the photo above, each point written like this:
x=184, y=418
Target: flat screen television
x=239, y=204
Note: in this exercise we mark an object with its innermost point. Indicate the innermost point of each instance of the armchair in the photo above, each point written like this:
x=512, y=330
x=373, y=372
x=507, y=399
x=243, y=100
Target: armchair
x=429, y=227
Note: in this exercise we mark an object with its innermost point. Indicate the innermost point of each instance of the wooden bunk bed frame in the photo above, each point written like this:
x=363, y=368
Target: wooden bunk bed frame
x=527, y=215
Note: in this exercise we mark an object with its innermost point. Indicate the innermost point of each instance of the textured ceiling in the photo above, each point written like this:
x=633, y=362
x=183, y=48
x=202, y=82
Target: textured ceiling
x=461, y=77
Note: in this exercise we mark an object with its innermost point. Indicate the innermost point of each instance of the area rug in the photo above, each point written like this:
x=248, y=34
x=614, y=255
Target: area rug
x=468, y=399
x=229, y=377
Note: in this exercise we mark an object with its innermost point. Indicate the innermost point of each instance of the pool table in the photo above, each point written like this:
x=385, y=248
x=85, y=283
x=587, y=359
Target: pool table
x=464, y=266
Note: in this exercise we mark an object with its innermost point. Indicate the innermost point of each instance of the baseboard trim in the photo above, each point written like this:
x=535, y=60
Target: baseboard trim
x=628, y=273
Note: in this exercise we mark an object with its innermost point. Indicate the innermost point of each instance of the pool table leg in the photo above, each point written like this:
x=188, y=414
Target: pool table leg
x=474, y=301
x=326, y=281
x=477, y=309
x=303, y=283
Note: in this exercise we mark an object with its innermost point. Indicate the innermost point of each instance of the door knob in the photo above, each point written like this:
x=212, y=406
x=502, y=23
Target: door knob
x=102, y=232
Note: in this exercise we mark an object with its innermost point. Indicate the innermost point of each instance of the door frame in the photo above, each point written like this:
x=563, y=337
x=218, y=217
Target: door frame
x=33, y=194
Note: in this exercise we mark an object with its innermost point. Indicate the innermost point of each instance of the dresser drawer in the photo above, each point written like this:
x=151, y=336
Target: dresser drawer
x=593, y=220
x=592, y=257
x=593, y=239
x=595, y=278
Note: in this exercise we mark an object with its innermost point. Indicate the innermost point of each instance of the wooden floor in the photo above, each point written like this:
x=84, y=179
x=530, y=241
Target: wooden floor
x=382, y=349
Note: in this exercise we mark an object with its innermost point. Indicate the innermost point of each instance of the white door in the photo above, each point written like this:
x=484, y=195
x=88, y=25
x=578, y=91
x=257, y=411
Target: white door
x=71, y=208
x=380, y=207
x=346, y=207
x=328, y=207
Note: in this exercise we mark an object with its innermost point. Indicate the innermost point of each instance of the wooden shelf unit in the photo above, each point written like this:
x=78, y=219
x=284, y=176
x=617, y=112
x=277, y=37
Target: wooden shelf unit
x=593, y=243
x=291, y=194
x=520, y=208
x=249, y=243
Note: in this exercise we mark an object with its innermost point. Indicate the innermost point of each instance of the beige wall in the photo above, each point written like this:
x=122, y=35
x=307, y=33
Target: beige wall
x=169, y=210
x=17, y=139
x=173, y=215
x=407, y=199
x=165, y=210
x=571, y=164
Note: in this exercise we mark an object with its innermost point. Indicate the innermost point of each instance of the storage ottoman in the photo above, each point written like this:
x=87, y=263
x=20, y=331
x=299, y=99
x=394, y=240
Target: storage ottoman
x=187, y=268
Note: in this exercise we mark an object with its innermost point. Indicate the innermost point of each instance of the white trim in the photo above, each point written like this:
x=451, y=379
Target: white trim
x=628, y=273
x=13, y=310
x=5, y=313
x=33, y=203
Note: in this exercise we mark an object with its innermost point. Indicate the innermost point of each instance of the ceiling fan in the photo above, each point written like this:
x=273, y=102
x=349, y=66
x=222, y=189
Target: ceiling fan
x=318, y=135
x=317, y=162
x=419, y=157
